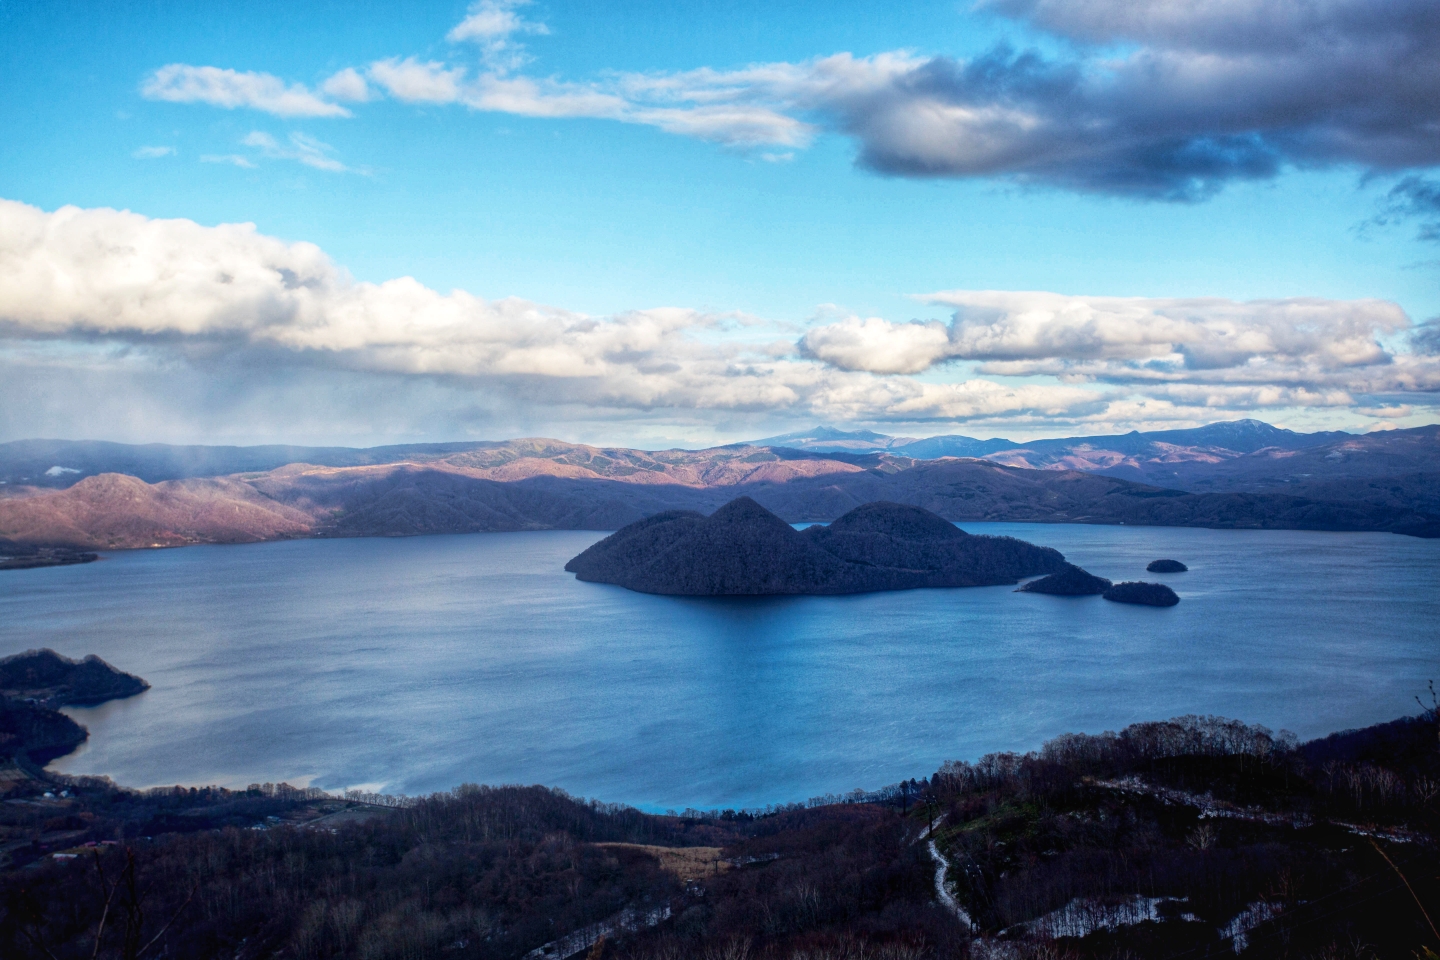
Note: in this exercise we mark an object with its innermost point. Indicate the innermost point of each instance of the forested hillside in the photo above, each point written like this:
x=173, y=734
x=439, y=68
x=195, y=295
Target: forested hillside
x=1195, y=837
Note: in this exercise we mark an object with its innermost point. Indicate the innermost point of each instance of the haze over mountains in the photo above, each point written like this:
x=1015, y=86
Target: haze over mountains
x=1241, y=474
x=1179, y=458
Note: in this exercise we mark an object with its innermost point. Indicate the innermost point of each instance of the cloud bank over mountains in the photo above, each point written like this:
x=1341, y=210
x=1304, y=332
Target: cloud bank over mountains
x=198, y=293
x=1208, y=351
x=164, y=300
x=1158, y=99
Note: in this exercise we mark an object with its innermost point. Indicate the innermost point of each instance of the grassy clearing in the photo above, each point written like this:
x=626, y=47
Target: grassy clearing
x=687, y=863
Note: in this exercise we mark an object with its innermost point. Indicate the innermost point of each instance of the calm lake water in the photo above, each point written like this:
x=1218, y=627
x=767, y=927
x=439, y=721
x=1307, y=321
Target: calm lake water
x=414, y=665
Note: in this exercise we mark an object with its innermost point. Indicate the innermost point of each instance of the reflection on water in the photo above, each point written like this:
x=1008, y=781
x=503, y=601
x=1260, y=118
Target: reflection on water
x=422, y=663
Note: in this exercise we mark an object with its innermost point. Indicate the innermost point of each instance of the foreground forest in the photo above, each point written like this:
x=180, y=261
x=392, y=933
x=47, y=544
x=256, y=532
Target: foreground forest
x=1195, y=837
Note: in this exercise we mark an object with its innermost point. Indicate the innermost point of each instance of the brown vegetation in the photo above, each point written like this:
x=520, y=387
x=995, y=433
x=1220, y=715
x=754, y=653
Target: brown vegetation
x=686, y=863
x=117, y=511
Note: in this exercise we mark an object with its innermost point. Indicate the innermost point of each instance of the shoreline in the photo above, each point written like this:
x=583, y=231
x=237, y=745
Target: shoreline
x=100, y=552
x=303, y=784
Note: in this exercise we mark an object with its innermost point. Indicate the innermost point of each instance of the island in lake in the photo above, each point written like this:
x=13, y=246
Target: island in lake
x=742, y=549
x=1145, y=594
x=1166, y=566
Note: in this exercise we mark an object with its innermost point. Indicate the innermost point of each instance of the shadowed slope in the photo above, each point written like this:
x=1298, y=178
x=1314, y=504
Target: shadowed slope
x=915, y=548
x=741, y=549
x=745, y=550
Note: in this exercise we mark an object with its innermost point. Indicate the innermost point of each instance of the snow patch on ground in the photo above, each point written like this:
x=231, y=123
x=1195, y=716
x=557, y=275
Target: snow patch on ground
x=1238, y=929
x=1084, y=916
x=1209, y=806
x=942, y=888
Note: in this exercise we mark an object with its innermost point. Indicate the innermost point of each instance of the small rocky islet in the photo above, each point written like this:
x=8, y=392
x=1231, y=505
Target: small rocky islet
x=1075, y=582
x=1140, y=592
x=1166, y=566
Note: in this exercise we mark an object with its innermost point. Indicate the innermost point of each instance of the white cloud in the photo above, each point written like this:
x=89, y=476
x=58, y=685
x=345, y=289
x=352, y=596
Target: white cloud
x=183, y=83
x=113, y=274
x=879, y=346
x=737, y=124
x=300, y=147
x=416, y=82
x=492, y=24
x=541, y=98
x=346, y=84
x=489, y=19
x=1305, y=351
x=114, y=286
x=234, y=159
x=153, y=153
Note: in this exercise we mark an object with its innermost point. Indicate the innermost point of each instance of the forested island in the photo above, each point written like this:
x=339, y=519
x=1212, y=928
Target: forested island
x=742, y=549
x=1142, y=593
x=1166, y=566
x=1192, y=837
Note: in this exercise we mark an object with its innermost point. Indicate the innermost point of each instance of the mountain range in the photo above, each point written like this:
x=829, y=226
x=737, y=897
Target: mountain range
x=1195, y=458
x=1241, y=474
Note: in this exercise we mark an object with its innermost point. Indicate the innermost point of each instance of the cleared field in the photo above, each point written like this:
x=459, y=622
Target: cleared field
x=687, y=863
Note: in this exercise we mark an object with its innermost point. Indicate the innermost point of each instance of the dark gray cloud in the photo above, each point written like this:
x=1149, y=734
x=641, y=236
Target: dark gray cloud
x=1258, y=26
x=1425, y=338
x=1020, y=115
x=1417, y=199
x=1159, y=99
x=1166, y=99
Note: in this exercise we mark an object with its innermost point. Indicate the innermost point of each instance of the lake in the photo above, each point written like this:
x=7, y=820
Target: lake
x=413, y=665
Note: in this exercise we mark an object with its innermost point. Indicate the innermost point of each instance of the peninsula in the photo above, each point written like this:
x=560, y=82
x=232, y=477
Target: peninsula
x=53, y=680
x=1070, y=581
x=33, y=686
x=742, y=549
x=27, y=556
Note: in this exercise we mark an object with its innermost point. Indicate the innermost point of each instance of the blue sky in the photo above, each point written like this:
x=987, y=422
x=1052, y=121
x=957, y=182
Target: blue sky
x=828, y=230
